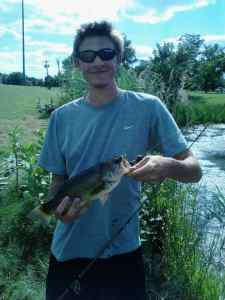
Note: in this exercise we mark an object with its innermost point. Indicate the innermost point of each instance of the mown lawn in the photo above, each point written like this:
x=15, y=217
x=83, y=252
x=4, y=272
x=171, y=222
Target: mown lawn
x=207, y=98
x=18, y=108
x=201, y=108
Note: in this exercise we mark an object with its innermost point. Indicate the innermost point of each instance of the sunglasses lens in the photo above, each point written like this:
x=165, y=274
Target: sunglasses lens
x=106, y=54
x=87, y=56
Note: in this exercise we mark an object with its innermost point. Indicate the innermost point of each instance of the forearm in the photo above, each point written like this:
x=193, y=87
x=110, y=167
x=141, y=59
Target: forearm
x=187, y=170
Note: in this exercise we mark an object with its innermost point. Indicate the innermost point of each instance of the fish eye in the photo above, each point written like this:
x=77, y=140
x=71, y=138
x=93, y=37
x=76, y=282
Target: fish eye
x=118, y=160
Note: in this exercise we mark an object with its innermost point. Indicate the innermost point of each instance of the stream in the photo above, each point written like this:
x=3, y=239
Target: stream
x=210, y=151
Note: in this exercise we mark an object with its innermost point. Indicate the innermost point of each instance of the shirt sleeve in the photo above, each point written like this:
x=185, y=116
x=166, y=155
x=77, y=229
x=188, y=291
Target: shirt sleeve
x=165, y=135
x=51, y=157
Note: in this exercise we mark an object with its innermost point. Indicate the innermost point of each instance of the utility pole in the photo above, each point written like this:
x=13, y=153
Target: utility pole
x=46, y=66
x=58, y=64
x=24, y=74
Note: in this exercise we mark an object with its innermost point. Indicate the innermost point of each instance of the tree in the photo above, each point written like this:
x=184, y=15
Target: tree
x=212, y=67
x=141, y=66
x=165, y=73
x=191, y=44
x=15, y=78
x=129, y=56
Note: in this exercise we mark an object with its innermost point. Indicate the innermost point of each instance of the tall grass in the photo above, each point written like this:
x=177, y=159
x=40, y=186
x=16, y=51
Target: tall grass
x=171, y=233
x=177, y=266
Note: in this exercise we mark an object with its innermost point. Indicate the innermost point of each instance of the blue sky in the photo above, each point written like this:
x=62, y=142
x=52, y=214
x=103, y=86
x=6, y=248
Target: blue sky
x=50, y=26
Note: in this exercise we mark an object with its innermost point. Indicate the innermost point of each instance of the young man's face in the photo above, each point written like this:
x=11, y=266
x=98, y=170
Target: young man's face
x=99, y=73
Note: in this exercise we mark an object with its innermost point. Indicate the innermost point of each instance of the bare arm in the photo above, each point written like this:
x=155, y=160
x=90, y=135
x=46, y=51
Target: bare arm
x=183, y=167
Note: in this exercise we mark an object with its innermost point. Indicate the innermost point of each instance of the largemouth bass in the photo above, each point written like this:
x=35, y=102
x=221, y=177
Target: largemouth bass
x=93, y=183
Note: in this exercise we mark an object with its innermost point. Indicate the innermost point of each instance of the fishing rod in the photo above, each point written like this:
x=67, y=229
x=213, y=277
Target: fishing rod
x=75, y=286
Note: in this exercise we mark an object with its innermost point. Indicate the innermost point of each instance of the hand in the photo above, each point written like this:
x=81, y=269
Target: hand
x=151, y=169
x=70, y=209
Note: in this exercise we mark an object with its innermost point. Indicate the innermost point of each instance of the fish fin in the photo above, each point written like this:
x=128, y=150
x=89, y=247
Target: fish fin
x=37, y=213
x=103, y=198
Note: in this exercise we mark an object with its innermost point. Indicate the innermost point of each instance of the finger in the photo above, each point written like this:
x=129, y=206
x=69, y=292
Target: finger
x=142, y=171
x=76, y=207
x=63, y=206
x=140, y=163
x=74, y=212
x=76, y=201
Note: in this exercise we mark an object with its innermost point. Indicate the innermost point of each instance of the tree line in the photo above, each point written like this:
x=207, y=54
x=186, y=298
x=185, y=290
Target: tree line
x=188, y=64
x=17, y=78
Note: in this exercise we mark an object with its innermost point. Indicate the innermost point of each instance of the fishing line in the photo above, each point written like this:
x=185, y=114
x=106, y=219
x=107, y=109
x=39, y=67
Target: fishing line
x=75, y=286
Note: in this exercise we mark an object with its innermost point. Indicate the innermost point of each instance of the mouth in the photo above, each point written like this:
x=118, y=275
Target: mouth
x=98, y=71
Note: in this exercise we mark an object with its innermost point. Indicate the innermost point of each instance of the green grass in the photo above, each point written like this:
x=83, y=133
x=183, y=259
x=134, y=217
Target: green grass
x=201, y=108
x=207, y=98
x=18, y=108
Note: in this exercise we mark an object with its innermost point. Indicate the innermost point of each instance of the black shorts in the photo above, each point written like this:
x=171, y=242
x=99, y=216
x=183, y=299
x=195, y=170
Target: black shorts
x=120, y=277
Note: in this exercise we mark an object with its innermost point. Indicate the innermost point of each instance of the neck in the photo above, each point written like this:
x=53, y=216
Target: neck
x=102, y=95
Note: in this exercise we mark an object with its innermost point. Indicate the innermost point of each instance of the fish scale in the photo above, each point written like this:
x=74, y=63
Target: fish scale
x=91, y=184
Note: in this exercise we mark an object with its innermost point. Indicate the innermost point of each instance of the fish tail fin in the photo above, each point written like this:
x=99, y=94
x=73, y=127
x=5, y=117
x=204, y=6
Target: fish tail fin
x=38, y=213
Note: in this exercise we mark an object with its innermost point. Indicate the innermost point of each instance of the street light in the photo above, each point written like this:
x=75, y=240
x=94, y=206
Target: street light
x=24, y=74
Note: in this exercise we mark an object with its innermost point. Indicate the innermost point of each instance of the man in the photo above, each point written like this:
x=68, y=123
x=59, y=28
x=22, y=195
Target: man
x=105, y=123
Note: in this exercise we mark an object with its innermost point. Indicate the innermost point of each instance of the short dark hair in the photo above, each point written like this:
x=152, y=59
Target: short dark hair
x=102, y=28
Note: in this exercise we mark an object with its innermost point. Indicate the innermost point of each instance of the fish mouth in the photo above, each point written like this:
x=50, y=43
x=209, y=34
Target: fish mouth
x=122, y=165
x=125, y=165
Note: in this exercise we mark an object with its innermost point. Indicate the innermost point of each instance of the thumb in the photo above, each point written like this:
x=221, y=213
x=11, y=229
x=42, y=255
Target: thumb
x=140, y=164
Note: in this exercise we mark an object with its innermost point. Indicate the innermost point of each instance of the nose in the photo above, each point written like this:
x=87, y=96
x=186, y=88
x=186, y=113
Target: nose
x=98, y=61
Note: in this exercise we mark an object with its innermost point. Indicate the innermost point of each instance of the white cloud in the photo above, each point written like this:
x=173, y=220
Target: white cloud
x=60, y=48
x=53, y=16
x=152, y=16
x=214, y=38
x=10, y=61
x=83, y=10
x=142, y=51
x=39, y=51
x=7, y=30
x=48, y=17
x=207, y=38
x=174, y=40
x=60, y=25
x=36, y=53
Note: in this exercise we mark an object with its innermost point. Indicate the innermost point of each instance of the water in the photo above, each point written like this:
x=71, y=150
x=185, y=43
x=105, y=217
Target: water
x=210, y=151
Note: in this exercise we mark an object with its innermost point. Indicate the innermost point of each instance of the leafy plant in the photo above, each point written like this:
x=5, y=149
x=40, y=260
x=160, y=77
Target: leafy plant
x=172, y=237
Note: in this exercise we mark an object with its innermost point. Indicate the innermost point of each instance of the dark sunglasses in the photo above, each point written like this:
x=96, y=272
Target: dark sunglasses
x=88, y=56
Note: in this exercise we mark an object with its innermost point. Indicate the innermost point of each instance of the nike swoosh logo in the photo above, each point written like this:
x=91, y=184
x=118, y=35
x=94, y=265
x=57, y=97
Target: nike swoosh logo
x=128, y=127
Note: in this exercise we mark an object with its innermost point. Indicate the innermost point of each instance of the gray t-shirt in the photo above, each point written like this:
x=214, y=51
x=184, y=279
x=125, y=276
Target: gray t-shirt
x=80, y=135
